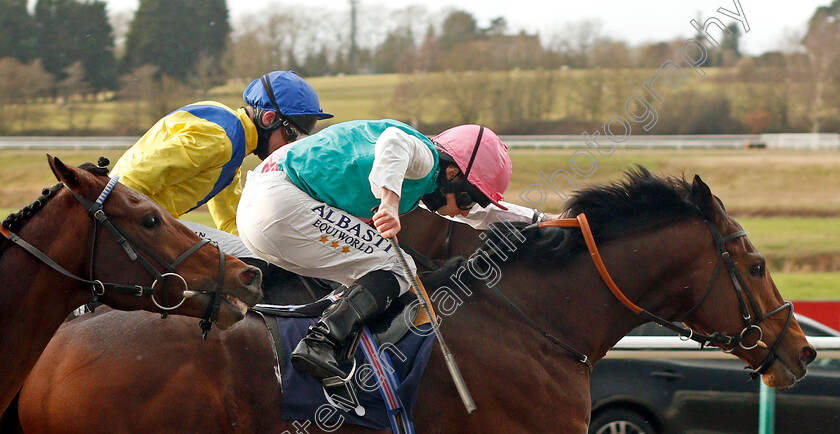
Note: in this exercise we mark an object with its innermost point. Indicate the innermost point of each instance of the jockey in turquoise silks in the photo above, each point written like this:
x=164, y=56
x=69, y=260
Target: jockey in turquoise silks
x=324, y=206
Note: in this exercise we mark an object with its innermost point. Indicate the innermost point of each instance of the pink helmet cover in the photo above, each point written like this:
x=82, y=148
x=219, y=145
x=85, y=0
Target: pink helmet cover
x=491, y=168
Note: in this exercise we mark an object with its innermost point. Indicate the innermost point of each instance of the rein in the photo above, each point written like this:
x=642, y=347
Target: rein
x=716, y=338
x=414, y=253
x=98, y=288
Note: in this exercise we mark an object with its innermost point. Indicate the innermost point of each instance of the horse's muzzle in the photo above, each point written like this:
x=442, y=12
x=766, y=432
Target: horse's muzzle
x=807, y=354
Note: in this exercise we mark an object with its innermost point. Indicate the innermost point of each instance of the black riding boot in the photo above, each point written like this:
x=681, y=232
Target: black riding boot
x=317, y=353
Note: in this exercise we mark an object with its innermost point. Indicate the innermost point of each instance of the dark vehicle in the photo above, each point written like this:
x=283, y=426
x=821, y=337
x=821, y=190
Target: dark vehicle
x=647, y=396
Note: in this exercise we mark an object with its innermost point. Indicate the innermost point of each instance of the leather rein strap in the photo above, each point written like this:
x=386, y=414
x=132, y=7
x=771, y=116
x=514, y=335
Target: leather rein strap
x=98, y=288
x=716, y=338
x=583, y=224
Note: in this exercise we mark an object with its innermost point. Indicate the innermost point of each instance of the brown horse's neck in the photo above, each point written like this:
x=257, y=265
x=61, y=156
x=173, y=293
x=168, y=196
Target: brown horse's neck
x=34, y=299
x=655, y=271
x=571, y=301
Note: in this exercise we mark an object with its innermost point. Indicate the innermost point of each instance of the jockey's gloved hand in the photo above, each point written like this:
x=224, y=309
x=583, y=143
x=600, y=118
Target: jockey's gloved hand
x=452, y=268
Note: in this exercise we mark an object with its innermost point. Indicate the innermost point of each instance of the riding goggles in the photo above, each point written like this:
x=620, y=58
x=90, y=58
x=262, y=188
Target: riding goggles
x=466, y=195
x=294, y=126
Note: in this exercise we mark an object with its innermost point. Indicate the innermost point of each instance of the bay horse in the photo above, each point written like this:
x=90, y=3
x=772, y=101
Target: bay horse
x=117, y=239
x=526, y=350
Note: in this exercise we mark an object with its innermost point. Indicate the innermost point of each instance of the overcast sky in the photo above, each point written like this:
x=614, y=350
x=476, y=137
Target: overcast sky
x=634, y=21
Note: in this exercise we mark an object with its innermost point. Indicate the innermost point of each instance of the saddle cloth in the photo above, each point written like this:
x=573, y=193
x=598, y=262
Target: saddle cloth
x=303, y=395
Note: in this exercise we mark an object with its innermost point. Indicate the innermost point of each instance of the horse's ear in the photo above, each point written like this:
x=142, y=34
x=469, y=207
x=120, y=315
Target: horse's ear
x=63, y=173
x=701, y=195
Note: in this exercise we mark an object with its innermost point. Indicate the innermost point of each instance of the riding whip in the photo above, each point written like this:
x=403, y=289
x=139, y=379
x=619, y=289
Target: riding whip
x=460, y=384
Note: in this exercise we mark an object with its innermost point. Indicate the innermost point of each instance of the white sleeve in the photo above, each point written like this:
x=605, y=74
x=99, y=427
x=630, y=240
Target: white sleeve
x=398, y=156
x=229, y=243
x=480, y=218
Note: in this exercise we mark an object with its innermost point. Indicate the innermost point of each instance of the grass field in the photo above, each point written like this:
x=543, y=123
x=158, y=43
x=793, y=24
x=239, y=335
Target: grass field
x=786, y=200
x=750, y=182
x=779, y=238
x=578, y=96
x=773, y=237
x=347, y=97
x=808, y=286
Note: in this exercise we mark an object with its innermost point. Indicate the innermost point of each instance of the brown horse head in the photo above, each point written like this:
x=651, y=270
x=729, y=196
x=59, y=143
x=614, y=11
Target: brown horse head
x=160, y=240
x=92, y=237
x=748, y=306
x=675, y=255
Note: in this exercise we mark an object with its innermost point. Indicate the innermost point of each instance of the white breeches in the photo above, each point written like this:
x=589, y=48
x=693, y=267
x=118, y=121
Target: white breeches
x=285, y=226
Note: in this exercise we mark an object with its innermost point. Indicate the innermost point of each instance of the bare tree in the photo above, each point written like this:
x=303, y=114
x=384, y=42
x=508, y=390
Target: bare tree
x=35, y=83
x=464, y=95
x=822, y=45
x=11, y=71
x=653, y=55
x=71, y=90
x=608, y=53
x=576, y=41
x=268, y=42
x=135, y=86
x=411, y=98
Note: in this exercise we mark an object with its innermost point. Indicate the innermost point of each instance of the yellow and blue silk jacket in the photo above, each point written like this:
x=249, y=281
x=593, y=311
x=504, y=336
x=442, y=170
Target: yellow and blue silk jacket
x=190, y=157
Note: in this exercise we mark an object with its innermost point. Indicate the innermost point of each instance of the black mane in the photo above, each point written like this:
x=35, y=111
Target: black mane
x=16, y=220
x=639, y=201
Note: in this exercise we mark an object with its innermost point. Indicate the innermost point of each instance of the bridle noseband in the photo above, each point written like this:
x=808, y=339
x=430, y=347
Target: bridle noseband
x=98, y=288
x=744, y=295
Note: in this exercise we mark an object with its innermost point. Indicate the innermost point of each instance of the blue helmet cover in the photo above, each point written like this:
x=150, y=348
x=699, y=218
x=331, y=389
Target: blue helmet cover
x=294, y=96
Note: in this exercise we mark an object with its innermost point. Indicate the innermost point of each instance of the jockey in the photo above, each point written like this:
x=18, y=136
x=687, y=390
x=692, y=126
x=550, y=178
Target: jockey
x=192, y=156
x=307, y=208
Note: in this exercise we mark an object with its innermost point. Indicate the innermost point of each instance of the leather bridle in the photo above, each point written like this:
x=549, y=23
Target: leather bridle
x=744, y=295
x=742, y=292
x=98, y=288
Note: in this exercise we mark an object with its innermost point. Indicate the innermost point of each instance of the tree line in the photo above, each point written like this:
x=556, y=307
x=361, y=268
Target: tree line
x=192, y=41
x=65, y=51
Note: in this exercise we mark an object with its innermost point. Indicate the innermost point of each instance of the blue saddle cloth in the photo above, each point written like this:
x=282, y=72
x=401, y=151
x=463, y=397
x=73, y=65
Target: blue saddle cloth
x=303, y=395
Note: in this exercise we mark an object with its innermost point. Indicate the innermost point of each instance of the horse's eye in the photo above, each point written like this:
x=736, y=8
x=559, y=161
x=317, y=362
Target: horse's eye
x=151, y=221
x=757, y=270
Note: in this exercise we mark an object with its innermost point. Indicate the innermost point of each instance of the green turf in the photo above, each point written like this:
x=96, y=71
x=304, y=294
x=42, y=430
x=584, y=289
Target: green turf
x=793, y=286
x=786, y=200
x=808, y=286
x=815, y=235
x=749, y=182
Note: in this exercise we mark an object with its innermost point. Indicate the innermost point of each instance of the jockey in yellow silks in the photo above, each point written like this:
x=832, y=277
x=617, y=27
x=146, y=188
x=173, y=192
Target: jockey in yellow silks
x=193, y=155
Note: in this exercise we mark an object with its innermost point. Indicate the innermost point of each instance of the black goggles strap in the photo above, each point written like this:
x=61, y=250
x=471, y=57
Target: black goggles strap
x=270, y=92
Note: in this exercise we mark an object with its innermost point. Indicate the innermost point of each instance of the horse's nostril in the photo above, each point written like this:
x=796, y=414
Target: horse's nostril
x=807, y=354
x=247, y=276
x=251, y=276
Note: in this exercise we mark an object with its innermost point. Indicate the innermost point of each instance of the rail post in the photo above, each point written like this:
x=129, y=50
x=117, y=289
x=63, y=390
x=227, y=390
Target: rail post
x=766, y=410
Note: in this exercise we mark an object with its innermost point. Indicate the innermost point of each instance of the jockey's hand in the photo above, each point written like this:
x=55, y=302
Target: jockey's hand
x=387, y=217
